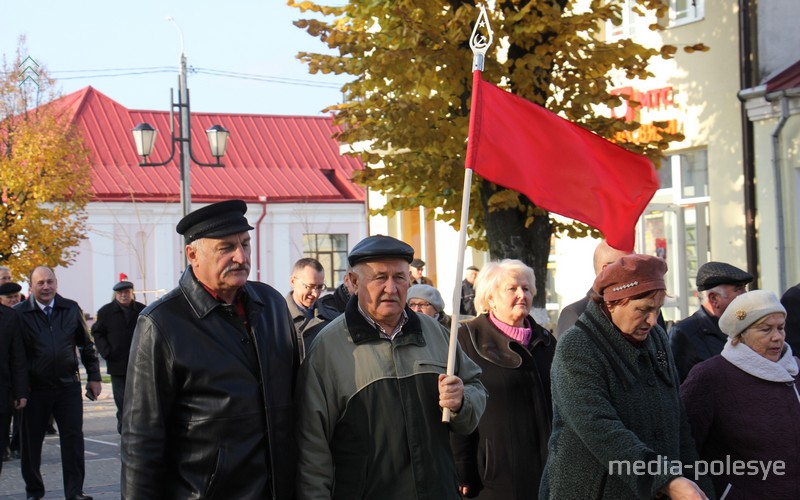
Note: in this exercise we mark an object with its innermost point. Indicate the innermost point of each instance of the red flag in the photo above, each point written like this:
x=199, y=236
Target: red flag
x=557, y=164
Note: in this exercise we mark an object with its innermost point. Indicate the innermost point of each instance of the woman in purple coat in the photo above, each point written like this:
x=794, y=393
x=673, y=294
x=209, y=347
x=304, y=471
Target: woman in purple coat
x=744, y=404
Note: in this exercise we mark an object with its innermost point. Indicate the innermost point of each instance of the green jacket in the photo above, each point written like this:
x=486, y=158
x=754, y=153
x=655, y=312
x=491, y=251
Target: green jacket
x=369, y=418
x=614, y=405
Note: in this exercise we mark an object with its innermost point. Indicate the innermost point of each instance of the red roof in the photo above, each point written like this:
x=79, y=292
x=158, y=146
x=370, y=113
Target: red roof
x=786, y=79
x=285, y=158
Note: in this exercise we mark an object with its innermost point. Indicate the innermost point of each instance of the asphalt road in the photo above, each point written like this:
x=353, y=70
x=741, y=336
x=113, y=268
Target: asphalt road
x=101, y=443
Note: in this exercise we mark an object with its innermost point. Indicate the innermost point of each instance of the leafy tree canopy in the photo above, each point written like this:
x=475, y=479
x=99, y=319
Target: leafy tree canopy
x=410, y=96
x=44, y=171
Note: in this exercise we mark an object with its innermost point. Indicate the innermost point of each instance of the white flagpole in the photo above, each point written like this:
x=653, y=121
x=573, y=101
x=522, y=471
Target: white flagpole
x=479, y=43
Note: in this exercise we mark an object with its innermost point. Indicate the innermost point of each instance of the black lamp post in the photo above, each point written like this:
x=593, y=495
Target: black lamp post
x=144, y=136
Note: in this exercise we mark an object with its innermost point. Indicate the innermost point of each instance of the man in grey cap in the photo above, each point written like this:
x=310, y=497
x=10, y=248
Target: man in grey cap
x=113, y=332
x=372, y=387
x=698, y=337
x=210, y=384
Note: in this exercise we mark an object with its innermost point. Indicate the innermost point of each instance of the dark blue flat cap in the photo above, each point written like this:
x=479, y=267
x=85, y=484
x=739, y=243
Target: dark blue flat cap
x=123, y=285
x=215, y=221
x=9, y=288
x=380, y=247
x=712, y=274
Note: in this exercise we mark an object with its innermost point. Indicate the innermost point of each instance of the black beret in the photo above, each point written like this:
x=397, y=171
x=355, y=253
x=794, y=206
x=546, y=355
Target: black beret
x=418, y=263
x=10, y=287
x=214, y=221
x=123, y=285
x=712, y=274
x=380, y=247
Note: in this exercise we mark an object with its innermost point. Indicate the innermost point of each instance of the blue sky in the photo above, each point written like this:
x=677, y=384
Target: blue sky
x=253, y=37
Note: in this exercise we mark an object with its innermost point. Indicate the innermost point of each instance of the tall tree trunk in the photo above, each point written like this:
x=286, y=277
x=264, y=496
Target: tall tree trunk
x=508, y=238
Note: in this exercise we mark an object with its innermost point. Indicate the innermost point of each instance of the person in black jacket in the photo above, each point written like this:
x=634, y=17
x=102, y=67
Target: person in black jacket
x=208, y=411
x=13, y=372
x=9, y=297
x=791, y=301
x=53, y=329
x=339, y=298
x=698, y=337
x=504, y=457
x=467, y=307
x=113, y=332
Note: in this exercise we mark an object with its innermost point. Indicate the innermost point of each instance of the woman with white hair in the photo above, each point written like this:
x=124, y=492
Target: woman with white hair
x=744, y=404
x=504, y=457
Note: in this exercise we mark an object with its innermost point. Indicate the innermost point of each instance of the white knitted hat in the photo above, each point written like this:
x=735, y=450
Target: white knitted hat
x=748, y=308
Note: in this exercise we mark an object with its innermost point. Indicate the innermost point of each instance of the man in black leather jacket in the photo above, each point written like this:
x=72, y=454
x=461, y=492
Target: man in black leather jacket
x=208, y=407
x=52, y=328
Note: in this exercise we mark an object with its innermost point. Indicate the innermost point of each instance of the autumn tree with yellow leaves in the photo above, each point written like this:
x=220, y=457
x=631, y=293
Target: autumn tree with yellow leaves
x=45, y=173
x=410, y=95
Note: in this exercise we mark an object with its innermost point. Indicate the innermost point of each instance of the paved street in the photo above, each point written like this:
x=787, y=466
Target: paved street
x=102, y=456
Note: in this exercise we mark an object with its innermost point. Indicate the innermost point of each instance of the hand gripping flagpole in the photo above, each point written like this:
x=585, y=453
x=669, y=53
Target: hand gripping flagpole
x=479, y=42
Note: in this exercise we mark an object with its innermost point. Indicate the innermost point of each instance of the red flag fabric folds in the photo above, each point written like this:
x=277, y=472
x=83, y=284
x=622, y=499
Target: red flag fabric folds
x=557, y=164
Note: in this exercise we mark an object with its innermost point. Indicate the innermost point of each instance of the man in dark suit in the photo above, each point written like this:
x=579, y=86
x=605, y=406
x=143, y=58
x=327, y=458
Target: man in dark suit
x=113, y=332
x=53, y=329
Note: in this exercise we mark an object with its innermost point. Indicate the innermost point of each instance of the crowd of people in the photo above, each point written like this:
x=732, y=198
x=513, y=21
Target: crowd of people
x=226, y=388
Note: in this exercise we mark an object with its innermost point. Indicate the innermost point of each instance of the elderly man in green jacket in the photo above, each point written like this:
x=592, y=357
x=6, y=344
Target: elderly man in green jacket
x=372, y=388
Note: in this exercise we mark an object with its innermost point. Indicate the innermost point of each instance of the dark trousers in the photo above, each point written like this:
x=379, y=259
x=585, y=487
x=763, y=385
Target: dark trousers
x=5, y=420
x=66, y=405
x=118, y=388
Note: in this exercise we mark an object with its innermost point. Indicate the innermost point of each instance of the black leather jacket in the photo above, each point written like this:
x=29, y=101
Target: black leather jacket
x=208, y=409
x=50, y=345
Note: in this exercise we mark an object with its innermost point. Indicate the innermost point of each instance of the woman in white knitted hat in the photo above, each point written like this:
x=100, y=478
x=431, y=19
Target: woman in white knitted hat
x=744, y=404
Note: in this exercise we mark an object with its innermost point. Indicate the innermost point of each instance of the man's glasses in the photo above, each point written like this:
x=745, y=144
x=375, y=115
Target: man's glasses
x=314, y=288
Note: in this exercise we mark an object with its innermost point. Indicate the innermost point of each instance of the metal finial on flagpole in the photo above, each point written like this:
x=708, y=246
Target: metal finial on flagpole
x=479, y=42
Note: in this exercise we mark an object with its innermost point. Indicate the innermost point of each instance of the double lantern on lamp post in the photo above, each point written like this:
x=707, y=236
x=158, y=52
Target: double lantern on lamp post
x=144, y=136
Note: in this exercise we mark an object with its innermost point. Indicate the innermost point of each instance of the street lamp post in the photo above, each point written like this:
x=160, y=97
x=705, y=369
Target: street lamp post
x=144, y=136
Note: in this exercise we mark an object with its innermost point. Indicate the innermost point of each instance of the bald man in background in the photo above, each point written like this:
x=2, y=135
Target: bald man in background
x=603, y=256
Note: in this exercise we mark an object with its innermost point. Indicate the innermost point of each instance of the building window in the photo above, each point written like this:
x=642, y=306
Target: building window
x=694, y=174
x=627, y=28
x=685, y=11
x=685, y=175
x=665, y=174
x=331, y=251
